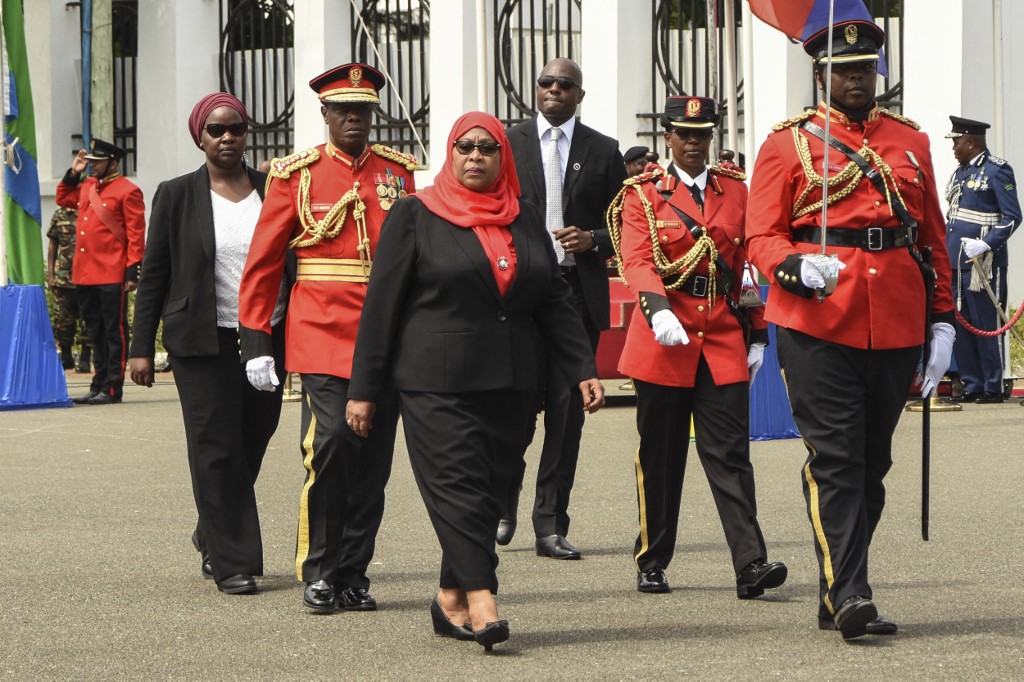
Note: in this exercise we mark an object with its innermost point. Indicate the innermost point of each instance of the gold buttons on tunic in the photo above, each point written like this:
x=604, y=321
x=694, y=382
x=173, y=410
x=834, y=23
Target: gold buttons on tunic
x=700, y=335
x=736, y=240
x=872, y=271
x=700, y=309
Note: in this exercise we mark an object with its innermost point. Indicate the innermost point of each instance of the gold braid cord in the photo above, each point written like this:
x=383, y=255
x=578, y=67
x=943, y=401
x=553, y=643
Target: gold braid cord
x=684, y=267
x=314, y=231
x=840, y=186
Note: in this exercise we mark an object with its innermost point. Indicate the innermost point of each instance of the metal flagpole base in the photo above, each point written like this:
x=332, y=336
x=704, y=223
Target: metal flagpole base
x=290, y=396
x=935, y=404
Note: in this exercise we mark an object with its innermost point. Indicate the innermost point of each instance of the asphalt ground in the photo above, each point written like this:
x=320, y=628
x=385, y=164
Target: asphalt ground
x=98, y=579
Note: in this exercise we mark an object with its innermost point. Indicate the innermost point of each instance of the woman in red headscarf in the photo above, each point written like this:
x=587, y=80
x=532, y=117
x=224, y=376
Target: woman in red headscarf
x=199, y=234
x=464, y=298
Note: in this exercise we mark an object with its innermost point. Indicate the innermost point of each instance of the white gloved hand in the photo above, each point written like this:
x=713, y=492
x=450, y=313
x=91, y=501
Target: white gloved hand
x=667, y=329
x=974, y=247
x=262, y=373
x=811, y=276
x=755, y=358
x=943, y=335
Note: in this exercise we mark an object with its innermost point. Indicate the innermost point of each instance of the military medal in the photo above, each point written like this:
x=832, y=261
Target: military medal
x=502, y=263
x=392, y=193
x=382, y=191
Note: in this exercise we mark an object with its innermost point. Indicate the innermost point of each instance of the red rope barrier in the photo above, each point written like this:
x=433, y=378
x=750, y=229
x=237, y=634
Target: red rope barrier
x=996, y=332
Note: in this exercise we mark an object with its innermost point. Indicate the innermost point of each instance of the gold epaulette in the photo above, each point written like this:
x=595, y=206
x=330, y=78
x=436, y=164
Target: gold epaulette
x=729, y=173
x=795, y=120
x=646, y=176
x=282, y=168
x=407, y=160
x=902, y=119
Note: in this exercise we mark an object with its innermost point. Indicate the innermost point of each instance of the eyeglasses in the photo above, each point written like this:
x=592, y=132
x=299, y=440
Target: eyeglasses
x=465, y=147
x=218, y=129
x=563, y=82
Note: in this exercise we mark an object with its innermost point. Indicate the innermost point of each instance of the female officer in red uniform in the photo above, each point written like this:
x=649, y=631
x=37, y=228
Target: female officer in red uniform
x=681, y=252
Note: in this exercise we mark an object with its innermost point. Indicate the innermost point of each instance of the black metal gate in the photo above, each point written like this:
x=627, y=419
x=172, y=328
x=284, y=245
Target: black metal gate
x=394, y=37
x=527, y=35
x=256, y=52
x=125, y=42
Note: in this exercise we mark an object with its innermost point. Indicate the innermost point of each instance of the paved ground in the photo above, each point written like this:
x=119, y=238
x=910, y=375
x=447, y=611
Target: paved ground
x=98, y=579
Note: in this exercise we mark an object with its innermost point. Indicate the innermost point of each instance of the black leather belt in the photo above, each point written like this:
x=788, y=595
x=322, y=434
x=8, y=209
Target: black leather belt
x=866, y=238
x=697, y=285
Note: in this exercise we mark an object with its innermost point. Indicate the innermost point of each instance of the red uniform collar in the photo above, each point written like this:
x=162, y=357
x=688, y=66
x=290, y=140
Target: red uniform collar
x=351, y=162
x=841, y=118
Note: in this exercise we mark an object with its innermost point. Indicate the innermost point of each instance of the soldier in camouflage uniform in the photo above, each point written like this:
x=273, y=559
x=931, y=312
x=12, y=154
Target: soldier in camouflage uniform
x=66, y=314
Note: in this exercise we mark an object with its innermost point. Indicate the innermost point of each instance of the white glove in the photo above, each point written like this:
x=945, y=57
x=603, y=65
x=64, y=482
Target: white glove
x=755, y=358
x=261, y=373
x=943, y=335
x=811, y=276
x=667, y=329
x=974, y=247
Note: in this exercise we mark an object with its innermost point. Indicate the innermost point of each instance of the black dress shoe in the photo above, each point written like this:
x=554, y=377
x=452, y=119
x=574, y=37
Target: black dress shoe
x=491, y=634
x=204, y=563
x=319, y=596
x=444, y=627
x=989, y=398
x=853, y=616
x=652, y=581
x=237, y=584
x=84, y=399
x=965, y=397
x=506, y=529
x=759, y=576
x=356, y=599
x=556, y=547
x=879, y=626
x=103, y=399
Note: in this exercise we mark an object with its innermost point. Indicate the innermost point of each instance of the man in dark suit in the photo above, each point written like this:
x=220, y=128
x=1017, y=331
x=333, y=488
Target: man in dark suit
x=553, y=151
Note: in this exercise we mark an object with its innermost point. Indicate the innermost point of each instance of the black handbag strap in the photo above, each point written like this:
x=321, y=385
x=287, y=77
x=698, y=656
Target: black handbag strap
x=870, y=172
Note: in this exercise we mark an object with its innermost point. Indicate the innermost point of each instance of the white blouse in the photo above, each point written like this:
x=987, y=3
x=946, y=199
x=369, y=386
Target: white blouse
x=233, y=227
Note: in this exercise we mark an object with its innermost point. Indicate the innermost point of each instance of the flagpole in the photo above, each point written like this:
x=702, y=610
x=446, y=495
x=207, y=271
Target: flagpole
x=3, y=164
x=828, y=121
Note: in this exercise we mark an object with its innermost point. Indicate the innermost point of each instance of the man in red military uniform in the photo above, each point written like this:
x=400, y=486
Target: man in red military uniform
x=109, y=245
x=682, y=254
x=849, y=357
x=327, y=203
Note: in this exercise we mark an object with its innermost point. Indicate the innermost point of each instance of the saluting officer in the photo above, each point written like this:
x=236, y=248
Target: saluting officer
x=983, y=213
x=849, y=358
x=682, y=254
x=327, y=203
x=109, y=247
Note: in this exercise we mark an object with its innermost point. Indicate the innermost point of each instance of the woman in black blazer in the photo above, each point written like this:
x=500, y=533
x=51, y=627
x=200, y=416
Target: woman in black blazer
x=464, y=295
x=199, y=234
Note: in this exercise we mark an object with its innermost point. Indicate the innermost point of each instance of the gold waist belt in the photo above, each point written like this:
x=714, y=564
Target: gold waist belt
x=333, y=270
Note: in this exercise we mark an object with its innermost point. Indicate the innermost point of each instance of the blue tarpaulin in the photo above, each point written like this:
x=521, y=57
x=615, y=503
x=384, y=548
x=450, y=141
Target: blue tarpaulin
x=770, y=414
x=31, y=375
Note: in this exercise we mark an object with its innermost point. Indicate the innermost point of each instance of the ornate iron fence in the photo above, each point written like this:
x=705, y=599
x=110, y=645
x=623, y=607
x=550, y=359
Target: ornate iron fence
x=256, y=51
x=125, y=41
x=394, y=37
x=527, y=35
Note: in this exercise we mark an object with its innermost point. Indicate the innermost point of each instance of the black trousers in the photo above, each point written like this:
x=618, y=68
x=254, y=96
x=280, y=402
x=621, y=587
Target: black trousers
x=228, y=425
x=846, y=403
x=105, y=311
x=720, y=418
x=562, y=405
x=342, y=500
x=464, y=450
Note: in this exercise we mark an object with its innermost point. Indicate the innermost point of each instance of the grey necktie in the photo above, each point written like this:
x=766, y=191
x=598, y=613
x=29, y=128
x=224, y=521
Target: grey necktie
x=553, y=186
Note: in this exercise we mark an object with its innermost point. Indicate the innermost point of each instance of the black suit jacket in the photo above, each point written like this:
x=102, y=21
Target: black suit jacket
x=593, y=176
x=435, y=321
x=177, y=271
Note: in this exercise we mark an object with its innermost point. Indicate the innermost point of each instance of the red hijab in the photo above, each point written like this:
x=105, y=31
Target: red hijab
x=205, y=107
x=487, y=212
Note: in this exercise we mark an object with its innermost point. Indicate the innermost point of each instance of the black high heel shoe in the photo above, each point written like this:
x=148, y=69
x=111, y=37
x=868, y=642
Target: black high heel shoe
x=445, y=628
x=491, y=634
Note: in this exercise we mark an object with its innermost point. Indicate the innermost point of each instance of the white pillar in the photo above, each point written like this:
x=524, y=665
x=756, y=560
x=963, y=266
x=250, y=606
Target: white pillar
x=318, y=26
x=780, y=83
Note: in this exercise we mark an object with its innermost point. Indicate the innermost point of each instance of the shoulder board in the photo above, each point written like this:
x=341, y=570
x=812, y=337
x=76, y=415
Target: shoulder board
x=282, y=168
x=902, y=119
x=644, y=177
x=407, y=160
x=729, y=173
x=795, y=120
x=996, y=160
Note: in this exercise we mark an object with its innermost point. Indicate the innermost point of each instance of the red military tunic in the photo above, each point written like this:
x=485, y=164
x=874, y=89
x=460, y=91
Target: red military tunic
x=879, y=301
x=100, y=256
x=327, y=298
x=713, y=332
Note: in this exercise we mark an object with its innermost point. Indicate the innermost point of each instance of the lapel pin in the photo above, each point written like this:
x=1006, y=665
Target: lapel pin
x=576, y=166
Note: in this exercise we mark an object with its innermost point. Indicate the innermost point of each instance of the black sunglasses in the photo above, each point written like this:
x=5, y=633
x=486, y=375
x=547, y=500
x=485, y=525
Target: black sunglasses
x=465, y=147
x=218, y=129
x=563, y=82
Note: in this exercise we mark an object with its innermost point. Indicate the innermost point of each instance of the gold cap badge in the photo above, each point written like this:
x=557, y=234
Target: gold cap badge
x=851, y=34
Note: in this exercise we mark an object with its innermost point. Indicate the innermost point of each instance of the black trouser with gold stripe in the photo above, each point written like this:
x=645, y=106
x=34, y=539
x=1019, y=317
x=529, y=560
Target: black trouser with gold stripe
x=105, y=311
x=342, y=499
x=846, y=403
x=721, y=425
